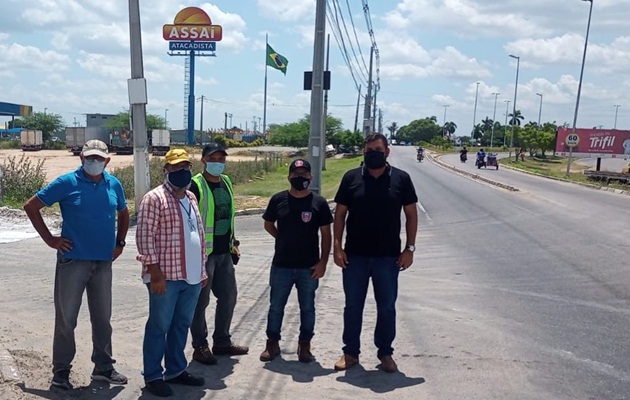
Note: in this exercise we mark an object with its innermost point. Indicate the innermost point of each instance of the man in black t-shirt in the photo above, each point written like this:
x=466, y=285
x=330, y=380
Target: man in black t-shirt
x=372, y=198
x=215, y=195
x=294, y=217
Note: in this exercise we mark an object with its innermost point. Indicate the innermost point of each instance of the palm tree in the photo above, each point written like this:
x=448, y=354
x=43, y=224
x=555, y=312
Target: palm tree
x=477, y=132
x=486, y=124
x=516, y=119
x=392, y=129
x=450, y=128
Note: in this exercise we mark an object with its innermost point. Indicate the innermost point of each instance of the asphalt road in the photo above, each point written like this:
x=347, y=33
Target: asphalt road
x=512, y=295
x=529, y=288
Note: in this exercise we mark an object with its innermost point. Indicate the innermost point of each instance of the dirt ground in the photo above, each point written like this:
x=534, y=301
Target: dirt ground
x=57, y=162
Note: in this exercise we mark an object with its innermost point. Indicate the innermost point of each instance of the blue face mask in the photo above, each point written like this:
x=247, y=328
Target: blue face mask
x=215, y=168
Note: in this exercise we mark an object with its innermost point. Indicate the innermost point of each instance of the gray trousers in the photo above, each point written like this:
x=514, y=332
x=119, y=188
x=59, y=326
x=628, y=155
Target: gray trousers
x=72, y=278
x=222, y=283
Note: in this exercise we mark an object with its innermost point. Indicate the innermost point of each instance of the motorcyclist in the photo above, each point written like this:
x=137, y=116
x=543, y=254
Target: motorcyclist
x=463, y=153
x=481, y=158
x=420, y=155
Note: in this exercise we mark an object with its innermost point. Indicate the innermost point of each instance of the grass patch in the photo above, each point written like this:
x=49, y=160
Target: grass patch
x=274, y=182
x=556, y=167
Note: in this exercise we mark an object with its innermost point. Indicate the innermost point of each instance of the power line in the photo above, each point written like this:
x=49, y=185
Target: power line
x=356, y=37
x=344, y=54
x=339, y=13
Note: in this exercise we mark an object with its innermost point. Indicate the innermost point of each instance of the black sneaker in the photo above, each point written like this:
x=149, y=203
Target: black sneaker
x=61, y=379
x=111, y=376
x=158, y=388
x=185, y=378
x=230, y=350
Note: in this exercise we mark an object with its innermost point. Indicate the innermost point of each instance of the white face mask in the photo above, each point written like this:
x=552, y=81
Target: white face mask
x=93, y=167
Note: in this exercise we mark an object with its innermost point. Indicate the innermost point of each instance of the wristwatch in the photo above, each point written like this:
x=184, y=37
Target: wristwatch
x=121, y=243
x=410, y=247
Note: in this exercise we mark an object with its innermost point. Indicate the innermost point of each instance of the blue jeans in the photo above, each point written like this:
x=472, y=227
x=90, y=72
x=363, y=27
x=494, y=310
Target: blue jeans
x=72, y=278
x=281, y=281
x=165, y=334
x=356, y=277
x=222, y=283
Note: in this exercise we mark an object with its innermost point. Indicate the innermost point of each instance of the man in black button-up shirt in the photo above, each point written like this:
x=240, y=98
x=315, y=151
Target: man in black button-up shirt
x=372, y=198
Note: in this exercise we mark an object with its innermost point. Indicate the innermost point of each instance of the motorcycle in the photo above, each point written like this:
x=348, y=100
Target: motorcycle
x=420, y=157
x=480, y=162
x=463, y=157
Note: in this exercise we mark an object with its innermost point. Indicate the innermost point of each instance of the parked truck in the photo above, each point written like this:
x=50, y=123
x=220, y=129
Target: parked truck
x=77, y=136
x=31, y=140
x=160, y=141
x=122, y=141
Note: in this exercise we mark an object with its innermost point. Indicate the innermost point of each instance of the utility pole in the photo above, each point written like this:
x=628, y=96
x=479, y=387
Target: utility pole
x=507, y=107
x=380, y=121
x=444, y=126
x=317, y=101
x=472, y=133
x=230, y=116
x=138, y=101
x=325, y=114
x=616, y=111
x=368, y=99
x=225, y=124
x=201, y=118
x=356, y=115
x=494, y=116
x=374, y=109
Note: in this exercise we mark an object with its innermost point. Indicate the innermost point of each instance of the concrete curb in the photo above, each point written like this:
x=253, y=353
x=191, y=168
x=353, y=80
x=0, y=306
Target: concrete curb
x=471, y=175
x=9, y=371
x=587, y=185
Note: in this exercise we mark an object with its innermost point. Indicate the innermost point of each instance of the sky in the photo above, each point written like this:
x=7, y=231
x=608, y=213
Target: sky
x=71, y=57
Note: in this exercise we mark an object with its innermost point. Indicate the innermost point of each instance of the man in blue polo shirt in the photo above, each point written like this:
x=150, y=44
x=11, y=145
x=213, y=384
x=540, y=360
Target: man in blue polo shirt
x=90, y=199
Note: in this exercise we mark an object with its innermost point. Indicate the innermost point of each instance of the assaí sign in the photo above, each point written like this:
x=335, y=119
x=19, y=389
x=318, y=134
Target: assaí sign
x=192, y=23
x=611, y=143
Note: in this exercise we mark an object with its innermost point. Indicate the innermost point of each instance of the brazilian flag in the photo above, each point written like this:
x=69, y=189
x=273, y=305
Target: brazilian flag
x=275, y=60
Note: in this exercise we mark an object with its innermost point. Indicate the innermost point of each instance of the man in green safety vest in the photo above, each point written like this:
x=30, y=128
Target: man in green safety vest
x=215, y=196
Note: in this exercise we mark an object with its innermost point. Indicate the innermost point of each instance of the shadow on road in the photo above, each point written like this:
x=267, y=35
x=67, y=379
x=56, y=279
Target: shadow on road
x=300, y=372
x=96, y=391
x=378, y=381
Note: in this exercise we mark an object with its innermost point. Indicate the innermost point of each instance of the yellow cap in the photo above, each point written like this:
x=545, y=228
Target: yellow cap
x=175, y=156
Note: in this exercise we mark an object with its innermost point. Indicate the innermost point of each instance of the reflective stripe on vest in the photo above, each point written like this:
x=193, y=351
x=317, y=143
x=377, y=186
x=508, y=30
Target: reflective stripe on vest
x=206, y=207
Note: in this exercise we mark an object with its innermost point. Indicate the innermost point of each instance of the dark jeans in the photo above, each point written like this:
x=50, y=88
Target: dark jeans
x=222, y=283
x=165, y=334
x=281, y=281
x=72, y=278
x=356, y=277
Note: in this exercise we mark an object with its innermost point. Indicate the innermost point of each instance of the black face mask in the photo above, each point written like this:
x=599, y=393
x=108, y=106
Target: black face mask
x=374, y=159
x=180, y=178
x=299, y=182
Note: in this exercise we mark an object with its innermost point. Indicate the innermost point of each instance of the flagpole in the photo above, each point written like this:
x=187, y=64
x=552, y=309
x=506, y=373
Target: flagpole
x=265, y=91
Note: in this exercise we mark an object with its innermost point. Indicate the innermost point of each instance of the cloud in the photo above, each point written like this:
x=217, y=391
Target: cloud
x=286, y=10
x=16, y=57
x=568, y=49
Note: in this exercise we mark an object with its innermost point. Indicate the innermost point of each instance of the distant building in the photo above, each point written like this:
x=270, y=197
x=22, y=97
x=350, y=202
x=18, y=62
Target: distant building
x=98, y=120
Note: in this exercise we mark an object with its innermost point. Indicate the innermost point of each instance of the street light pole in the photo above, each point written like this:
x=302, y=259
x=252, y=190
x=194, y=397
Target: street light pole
x=518, y=65
x=539, y=108
x=472, y=133
x=494, y=115
x=166, y=118
x=507, y=107
x=577, y=100
x=444, y=125
x=616, y=111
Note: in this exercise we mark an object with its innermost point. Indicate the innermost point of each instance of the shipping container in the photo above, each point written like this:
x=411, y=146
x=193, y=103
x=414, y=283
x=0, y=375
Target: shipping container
x=122, y=141
x=31, y=140
x=75, y=139
x=160, y=141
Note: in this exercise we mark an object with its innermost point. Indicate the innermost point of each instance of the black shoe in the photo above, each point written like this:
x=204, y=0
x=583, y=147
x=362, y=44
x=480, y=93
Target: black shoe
x=111, y=376
x=158, y=388
x=61, y=379
x=185, y=378
x=204, y=355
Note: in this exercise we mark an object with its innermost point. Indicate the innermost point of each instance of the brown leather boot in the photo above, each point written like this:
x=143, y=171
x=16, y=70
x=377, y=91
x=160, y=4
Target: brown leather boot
x=272, y=349
x=304, y=352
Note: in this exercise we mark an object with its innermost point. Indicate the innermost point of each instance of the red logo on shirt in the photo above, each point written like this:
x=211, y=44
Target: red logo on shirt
x=306, y=216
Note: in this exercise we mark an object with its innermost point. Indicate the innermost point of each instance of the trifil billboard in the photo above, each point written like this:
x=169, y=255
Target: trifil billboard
x=605, y=143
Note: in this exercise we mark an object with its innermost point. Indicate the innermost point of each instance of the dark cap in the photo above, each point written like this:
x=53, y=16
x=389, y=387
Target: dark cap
x=212, y=147
x=299, y=163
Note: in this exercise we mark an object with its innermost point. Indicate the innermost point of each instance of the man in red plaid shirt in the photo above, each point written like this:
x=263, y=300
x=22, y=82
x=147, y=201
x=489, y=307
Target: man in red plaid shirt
x=171, y=248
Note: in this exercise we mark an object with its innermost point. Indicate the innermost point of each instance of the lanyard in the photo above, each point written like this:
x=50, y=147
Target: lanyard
x=191, y=224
